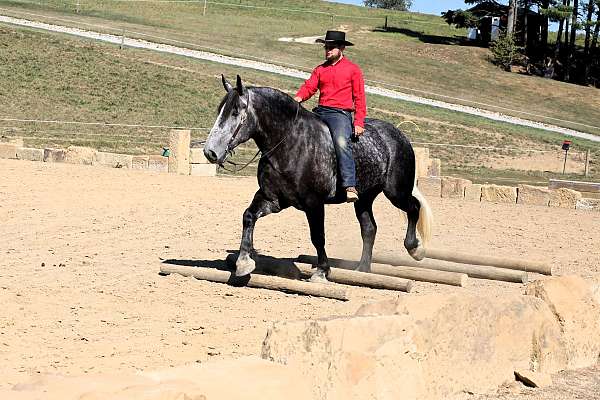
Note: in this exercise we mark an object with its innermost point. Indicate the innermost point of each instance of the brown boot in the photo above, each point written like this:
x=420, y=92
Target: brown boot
x=351, y=194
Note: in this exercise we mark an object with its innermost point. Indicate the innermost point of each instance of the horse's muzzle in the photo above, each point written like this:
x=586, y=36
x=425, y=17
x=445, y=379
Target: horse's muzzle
x=210, y=155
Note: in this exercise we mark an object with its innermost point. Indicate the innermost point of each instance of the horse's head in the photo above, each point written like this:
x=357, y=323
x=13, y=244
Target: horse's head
x=233, y=125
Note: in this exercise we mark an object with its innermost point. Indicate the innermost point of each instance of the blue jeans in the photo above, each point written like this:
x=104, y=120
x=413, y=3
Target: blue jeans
x=340, y=126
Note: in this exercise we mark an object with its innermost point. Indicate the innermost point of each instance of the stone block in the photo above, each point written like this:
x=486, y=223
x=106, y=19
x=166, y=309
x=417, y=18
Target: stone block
x=422, y=160
x=577, y=310
x=588, y=204
x=54, y=155
x=473, y=192
x=158, y=164
x=435, y=168
x=430, y=186
x=454, y=187
x=80, y=155
x=564, y=198
x=26, y=153
x=139, y=162
x=499, y=194
x=113, y=160
x=197, y=156
x=425, y=347
x=203, y=169
x=533, y=195
x=8, y=150
x=179, y=146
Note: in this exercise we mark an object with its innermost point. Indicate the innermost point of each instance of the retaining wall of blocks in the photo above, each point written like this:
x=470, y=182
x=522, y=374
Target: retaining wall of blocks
x=450, y=187
x=181, y=160
x=185, y=160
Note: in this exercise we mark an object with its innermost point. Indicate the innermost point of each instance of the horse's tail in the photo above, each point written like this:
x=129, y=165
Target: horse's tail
x=425, y=222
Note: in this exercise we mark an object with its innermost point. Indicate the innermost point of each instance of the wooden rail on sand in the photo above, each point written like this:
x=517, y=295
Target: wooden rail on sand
x=498, y=262
x=417, y=274
x=260, y=281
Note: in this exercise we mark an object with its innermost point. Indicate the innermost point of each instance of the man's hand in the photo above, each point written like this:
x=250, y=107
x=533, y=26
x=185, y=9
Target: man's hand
x=359, y=130
x=298, y=99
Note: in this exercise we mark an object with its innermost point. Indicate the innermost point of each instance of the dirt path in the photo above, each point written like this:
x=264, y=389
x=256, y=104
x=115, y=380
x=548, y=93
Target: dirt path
x=82, y=246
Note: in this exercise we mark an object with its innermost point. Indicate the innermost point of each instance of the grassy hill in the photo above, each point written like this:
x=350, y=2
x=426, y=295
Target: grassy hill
x=418, y=53
x=57, y=77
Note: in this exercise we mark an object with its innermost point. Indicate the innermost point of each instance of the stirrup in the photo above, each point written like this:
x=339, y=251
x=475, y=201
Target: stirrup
x=351, y=195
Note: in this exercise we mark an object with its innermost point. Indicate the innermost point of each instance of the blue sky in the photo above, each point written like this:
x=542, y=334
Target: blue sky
x=424, y=6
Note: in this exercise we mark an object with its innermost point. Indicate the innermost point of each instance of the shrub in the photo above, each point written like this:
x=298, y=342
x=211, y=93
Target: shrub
x=505, y=52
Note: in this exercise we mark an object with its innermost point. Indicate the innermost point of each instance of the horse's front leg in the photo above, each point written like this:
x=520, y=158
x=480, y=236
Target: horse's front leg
x=368, y=229
x=259, y=207
x=316, y=222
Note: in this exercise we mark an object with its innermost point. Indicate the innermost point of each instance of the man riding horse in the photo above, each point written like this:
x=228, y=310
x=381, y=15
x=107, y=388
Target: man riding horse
x=298, y=166
x=341, y=92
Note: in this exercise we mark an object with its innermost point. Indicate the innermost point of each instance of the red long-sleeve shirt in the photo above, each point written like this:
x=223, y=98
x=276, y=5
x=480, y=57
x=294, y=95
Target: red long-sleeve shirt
x=340, y=85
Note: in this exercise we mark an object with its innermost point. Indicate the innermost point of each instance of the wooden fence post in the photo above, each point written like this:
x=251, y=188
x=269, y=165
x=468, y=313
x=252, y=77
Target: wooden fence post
x=122, y=39
x=587, y=163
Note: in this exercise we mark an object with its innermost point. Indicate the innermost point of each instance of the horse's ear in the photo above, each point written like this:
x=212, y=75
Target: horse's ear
x=239, y=87
x=226, y=84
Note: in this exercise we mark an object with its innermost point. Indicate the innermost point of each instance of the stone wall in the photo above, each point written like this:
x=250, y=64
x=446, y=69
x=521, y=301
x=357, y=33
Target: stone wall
x=180, y=158
x=451, y=187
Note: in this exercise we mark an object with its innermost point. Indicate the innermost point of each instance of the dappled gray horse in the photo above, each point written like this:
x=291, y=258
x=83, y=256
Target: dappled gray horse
x=298, y=169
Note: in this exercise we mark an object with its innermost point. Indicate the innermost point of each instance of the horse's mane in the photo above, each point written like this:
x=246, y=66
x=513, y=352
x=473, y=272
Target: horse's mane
x=285, y=104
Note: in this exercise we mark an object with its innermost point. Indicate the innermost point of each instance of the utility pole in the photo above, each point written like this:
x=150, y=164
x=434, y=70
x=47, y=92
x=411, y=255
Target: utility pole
x=204, y=11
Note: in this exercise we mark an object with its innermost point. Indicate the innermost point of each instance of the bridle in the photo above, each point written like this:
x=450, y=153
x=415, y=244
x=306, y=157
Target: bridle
x=264, y=155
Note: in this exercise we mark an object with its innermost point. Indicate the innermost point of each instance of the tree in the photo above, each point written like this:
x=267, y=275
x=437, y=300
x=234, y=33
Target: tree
x=401, y=5
x=512, y=10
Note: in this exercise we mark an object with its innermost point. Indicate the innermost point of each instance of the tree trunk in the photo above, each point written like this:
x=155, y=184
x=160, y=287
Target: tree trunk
x=588, y=28
x=561, y=25
x=544, y=29
x=526, y=28
x=564, y=56
x=571, y=63
x=588, y=32
x=567, y=30
x=596, y=31
x=512, y=14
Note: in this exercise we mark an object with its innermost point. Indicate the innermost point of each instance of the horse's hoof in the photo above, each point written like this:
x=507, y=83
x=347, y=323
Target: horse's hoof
x=319, y=277
x=418, y=253
x=244, y=266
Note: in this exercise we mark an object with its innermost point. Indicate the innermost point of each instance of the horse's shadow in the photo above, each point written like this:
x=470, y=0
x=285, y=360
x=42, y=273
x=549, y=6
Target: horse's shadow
x=265, y=265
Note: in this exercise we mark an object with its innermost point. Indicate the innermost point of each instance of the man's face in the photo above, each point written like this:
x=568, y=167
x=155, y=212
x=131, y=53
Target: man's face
x=333, y=52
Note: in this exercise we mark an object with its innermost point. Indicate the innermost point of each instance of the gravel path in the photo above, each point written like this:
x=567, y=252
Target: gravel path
x=203, y=55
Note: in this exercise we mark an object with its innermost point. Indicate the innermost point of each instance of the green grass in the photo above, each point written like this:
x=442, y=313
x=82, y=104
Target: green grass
x=419, y=52
x=58, y=77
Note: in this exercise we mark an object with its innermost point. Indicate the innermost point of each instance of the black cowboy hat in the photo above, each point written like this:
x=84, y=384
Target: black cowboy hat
x=335, y=37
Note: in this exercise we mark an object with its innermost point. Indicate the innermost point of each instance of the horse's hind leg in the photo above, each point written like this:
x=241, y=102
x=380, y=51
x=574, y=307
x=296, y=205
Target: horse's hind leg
x=411, y=206
x=259, y=207
x=368, y=229
x=316, y=223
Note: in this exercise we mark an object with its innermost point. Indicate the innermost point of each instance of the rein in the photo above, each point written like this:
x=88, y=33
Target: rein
x=264, y=155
